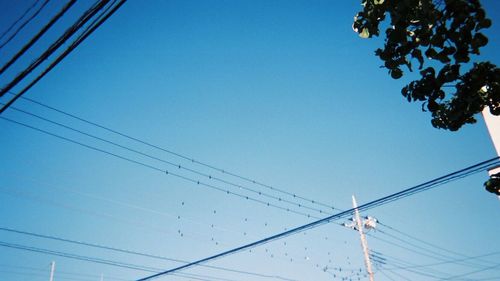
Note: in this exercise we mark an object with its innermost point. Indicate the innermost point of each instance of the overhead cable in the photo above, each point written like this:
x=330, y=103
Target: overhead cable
x=89, y=14
x=77, y=42
x=103, y=261
x=436, y=255
x=175, y=165
x=375, y=203
x=182, y=156
x=163, y=171
x=433, y=246
x=37, y=36
x=125, y=251
x=23, y=24
x=7, y=30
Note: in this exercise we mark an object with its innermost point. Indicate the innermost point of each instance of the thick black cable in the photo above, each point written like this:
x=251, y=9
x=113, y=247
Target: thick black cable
x=175, y=165
x=366, y=206
x=75, y=44
x=126, y=251
x=19, y=19
x=55, y=45
x=166, y=172
x=37, y=36
x=179, y=155
x=482, y=166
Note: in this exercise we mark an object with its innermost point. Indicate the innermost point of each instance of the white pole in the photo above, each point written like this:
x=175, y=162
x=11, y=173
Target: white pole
x=52, y=270
x=364, y=243
x=102, y=277
x=493, y=125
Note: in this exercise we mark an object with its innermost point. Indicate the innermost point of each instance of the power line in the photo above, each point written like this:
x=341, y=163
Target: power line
x=17, y=192
x=450, y=261
x=175, y=165
x=182, y=156
x=385, y=274
x=137, y=207
x=19, y=19
x=76, y=257
x=133, y=150
x=439, y=181
x=60, y=275
x=128, y=221
x=60, y=272
x=471, y=272
x=454, y=176
x=125, y=251
x=432, y=245
x=422, y=187
x=427, y=253
x=56, y=44
x=89, y=14
x=375, y=203
x=24, y=24
x=101, y=19
x=414, y=268
x=399, y=264
x=37, y=36
x=104, y=261
x=436, y=255
x=166, y=172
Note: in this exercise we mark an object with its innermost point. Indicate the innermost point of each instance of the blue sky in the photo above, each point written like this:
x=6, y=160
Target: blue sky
x=283, y=92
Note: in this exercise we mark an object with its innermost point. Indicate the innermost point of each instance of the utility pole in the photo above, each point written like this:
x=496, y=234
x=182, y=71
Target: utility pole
x=493, y=125
x=52, y=270
x=364, y=243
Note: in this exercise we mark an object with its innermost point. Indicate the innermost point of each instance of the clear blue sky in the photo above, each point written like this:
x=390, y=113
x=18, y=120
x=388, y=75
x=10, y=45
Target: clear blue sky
x=283, y=92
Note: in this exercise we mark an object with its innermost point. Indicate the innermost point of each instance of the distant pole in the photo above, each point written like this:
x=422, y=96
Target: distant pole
x=52, y=270
x=102, y=277
x=364, y=243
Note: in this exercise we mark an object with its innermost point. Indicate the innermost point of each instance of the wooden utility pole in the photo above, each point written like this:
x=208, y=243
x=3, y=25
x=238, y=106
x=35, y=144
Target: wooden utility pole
x=364, y=243
x=52, y=270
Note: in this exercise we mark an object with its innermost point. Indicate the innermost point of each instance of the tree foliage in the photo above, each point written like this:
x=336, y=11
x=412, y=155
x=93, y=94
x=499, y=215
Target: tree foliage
x=442, y=37
x=446, y=35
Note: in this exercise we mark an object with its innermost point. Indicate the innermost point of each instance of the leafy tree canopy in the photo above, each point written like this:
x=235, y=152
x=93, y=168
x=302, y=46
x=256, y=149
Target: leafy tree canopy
x=444, y=34
x=442, y=37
